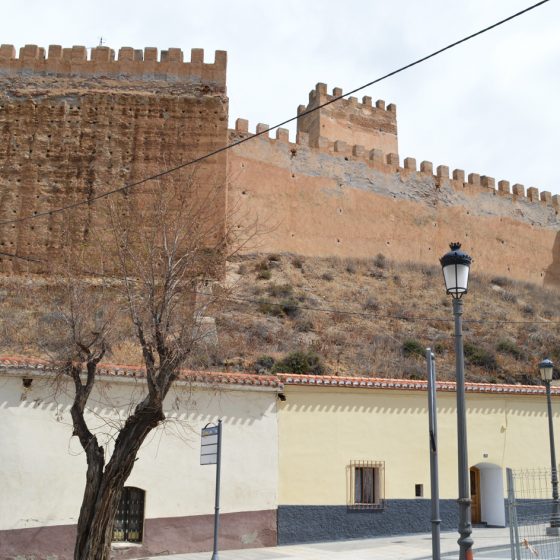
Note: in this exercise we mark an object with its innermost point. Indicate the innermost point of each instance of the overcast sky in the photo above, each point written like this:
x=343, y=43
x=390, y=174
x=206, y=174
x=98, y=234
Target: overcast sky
x=490, y=106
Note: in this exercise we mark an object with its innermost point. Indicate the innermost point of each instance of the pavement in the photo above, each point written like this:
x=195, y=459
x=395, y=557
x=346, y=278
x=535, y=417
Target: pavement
x=489, y=544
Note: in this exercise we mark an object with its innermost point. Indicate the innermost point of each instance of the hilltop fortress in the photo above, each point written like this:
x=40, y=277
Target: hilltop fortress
x=73, y=126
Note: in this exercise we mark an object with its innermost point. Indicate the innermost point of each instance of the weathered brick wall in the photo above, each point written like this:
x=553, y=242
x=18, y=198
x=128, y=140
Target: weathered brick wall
x=72, y=128
x=335, y=198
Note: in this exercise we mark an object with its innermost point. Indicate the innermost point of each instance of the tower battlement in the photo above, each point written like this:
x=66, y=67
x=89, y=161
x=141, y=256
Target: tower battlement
x=144, y=64
x=349, y=120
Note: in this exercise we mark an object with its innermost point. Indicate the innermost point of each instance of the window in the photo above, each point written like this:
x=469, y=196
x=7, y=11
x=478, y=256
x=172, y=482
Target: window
x=367, y=485
x=419, y=490
x=129, y=521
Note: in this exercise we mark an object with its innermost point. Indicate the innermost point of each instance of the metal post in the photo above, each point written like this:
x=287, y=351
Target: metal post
x=513, y=525
x=554, y=528
x=217, y=503
x=465, y=528
x=434, y=475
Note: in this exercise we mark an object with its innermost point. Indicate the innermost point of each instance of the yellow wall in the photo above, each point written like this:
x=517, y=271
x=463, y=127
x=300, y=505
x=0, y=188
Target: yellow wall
x=322, y=429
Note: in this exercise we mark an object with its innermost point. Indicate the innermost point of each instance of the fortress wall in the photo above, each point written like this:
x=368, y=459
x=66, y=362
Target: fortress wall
x=144, y=64
x=67, y=138
x=338, y=199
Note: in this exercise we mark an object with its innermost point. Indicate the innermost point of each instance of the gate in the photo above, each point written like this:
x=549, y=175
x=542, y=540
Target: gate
x=533, y=533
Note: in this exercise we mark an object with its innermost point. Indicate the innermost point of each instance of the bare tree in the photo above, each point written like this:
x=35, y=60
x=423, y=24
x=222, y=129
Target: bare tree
x=161, y=246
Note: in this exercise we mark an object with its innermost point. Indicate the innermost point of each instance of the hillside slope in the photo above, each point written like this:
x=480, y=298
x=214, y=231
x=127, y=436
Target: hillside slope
x=349, y=317
x=374, y=317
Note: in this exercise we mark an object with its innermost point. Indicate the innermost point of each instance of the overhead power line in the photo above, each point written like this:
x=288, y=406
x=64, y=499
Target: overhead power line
x=161, y=174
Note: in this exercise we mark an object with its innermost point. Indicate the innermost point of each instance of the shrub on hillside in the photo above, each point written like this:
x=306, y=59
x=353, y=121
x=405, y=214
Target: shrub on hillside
x=412, y=347
x=263, y=364
x=297, y=262
x=380, y=261
x=509, y=347
x=510, y=297
x=501, y=281
x=371, y=304
x=280, y=290
x=288, y=307
x=300, y=362
x=264, y=275
x=479, y=356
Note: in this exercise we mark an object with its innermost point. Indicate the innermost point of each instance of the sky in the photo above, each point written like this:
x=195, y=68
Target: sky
x=489, y=106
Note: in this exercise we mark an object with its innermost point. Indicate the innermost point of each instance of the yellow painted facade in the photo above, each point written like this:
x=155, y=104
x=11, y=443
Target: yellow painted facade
x=321, y=429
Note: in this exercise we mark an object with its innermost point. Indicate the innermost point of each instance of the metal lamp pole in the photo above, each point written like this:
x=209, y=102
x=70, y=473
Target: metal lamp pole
x=546, y=368
x=455, y=265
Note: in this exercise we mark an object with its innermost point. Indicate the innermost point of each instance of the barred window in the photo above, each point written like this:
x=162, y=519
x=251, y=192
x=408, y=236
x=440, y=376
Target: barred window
x=367, y=485
x=129, y=521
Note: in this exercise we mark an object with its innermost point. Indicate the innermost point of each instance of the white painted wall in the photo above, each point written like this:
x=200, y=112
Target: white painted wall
x=492, y=508
x=43, y=466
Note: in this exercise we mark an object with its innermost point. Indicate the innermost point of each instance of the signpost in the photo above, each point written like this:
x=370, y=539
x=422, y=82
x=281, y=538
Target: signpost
x=211, y=454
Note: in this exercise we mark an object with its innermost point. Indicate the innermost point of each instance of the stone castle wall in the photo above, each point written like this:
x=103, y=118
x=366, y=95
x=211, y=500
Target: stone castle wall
x=321, y=195
x=72, y=128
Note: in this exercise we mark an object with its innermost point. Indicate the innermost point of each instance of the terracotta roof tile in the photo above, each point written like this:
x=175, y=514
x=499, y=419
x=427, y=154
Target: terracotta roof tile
x=409, y=385
x=111, y=370
x=278, y=381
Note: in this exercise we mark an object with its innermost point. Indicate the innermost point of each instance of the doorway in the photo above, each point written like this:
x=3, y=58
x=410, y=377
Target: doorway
x=487, y=495
x=475, y=495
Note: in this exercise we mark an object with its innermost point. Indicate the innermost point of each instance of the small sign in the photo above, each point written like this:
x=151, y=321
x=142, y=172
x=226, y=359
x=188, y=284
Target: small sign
x=209, y=446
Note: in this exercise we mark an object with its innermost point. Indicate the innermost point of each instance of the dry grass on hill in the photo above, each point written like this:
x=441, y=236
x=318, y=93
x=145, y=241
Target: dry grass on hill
x=374, y=317
x=347, y=317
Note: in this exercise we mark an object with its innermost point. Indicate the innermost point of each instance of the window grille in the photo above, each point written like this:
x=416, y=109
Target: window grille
x=367, y=485
x=129, y=521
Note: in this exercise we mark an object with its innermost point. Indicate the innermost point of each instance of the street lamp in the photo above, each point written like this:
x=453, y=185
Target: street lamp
x=546, y=368
x=455, y=265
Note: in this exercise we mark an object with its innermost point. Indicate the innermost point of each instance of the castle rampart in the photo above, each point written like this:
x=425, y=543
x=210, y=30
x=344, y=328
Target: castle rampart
x=390, y=163
x=73, y=126
x=143, y=64
x=327, y=196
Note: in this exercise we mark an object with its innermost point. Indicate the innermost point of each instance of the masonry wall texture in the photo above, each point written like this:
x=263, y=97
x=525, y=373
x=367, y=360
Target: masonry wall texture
x=300, y=524
x=326, y=194
x=72, y=128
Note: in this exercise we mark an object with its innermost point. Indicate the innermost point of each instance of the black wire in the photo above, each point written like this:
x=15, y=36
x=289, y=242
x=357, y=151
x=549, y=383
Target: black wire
x=243, y=140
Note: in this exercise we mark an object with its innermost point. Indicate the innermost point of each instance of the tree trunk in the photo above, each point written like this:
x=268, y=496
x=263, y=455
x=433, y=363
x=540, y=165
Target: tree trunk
x=103, y=490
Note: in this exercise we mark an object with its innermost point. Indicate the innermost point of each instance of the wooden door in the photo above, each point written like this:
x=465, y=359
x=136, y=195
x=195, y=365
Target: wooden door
x=475, y=495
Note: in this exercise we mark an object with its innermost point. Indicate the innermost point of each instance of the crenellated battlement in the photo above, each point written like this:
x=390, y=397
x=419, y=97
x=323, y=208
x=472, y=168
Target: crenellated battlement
x=320, y=95
x=373, y=126
x=471, y=183
x=145, y=64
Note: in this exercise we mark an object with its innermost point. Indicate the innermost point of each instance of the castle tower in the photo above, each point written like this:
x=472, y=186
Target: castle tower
x=76, y=123
x=347, y=120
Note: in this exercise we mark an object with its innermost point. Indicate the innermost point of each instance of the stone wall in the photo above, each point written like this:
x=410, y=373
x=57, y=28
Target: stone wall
x=73, y=128
x=320, y=196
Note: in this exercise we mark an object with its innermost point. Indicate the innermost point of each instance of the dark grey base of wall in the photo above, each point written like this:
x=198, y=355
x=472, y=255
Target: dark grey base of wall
x=300, y=524
x=166, y=535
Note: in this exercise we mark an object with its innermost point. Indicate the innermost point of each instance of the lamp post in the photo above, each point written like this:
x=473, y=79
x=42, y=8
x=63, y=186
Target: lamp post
x=546, y=368
x=455, y=265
